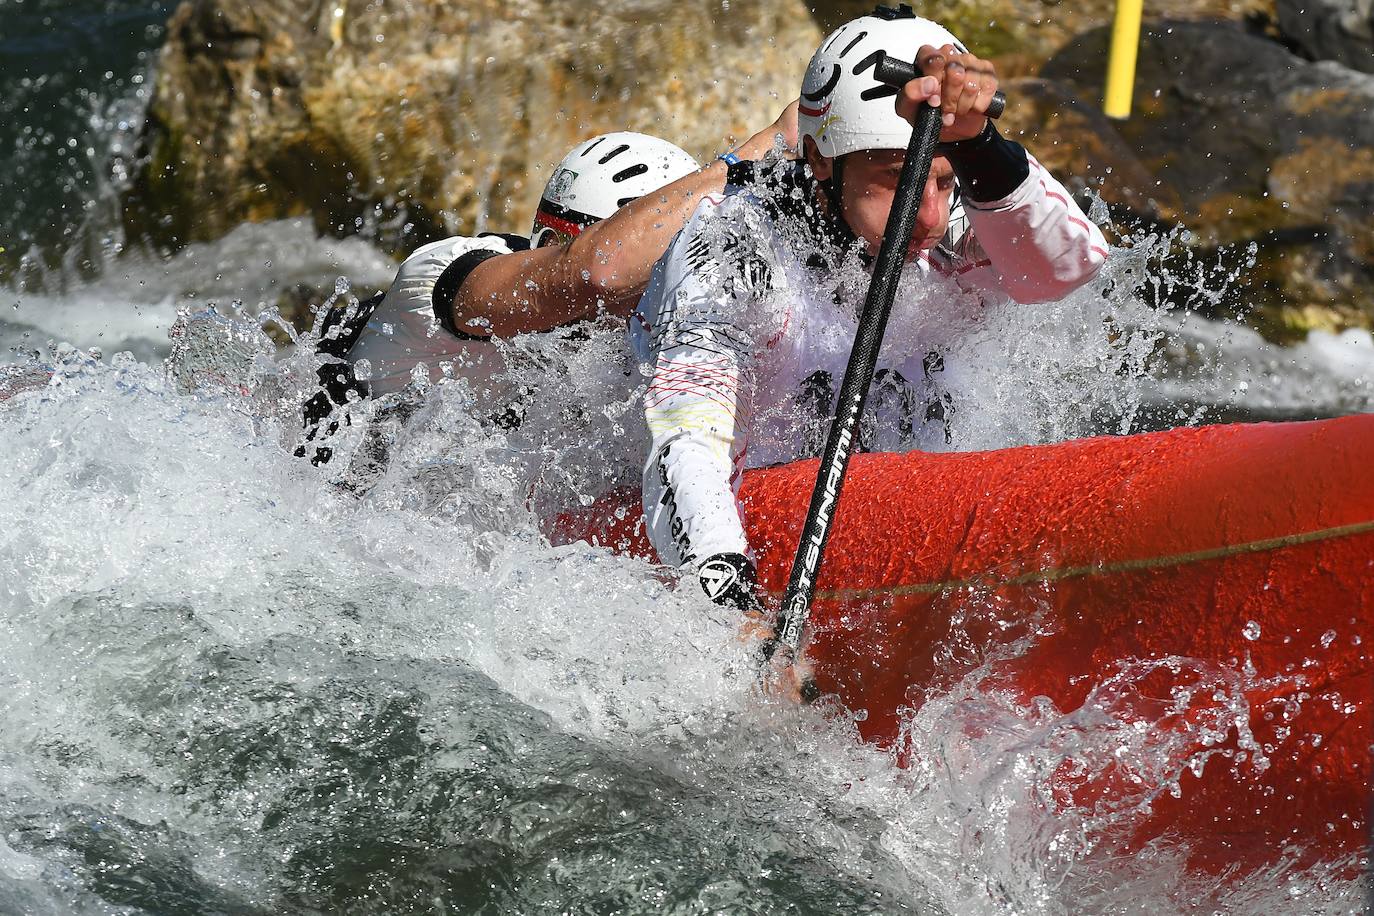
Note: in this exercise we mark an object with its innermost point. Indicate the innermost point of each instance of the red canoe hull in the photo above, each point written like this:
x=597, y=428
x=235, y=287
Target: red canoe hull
x=1239, y=559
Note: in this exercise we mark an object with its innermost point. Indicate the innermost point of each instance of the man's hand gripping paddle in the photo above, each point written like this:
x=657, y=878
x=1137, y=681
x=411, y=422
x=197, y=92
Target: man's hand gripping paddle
x=858, y=374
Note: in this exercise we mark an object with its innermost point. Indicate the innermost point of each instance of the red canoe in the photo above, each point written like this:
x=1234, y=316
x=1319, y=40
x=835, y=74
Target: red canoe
x=1240, y=555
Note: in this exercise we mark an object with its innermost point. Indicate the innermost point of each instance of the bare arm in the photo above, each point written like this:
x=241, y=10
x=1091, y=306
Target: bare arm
x=606, y=268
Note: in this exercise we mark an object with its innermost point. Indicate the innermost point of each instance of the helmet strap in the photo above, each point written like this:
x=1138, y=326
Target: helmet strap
x=832, y=188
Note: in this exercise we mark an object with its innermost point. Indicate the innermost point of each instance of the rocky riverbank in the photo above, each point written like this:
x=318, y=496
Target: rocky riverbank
x=414, y=121
x=408, y=122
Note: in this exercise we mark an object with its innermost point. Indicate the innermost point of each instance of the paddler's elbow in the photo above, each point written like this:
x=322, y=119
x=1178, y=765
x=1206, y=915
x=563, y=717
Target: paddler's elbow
x=607, y=276
x=599, y=277
x=611, y=285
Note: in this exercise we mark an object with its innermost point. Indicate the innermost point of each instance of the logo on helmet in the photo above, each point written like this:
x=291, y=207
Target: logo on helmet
x=561, y=184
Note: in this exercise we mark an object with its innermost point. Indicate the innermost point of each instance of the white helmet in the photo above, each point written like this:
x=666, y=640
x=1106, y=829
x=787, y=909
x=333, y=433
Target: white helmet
x=844, y=108
x=602, y=175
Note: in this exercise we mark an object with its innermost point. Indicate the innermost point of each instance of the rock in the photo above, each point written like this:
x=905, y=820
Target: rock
x=1338, y=30
x=1020, y=35
x=407, y=121
x=1078, y=143
x=1262, y=147
x=413, y=120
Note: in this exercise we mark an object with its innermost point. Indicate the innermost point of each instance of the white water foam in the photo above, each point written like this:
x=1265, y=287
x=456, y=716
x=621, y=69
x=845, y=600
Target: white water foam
x=179, y=587
x=132, y=302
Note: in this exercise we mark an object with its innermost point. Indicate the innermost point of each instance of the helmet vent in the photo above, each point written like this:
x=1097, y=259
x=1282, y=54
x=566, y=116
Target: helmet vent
x=613, y=153
x=869, y=62
x=595, y=143
x=623, y=201
x=850, y=47
x=880, y=91
x=825, y=48
x=625, y=174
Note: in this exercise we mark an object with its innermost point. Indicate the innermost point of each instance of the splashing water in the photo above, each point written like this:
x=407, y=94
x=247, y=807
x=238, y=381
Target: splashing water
x=236, y=685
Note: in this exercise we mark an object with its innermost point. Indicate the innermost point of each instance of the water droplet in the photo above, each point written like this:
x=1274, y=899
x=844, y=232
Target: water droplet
x=1328, y=638
x=1251, y=631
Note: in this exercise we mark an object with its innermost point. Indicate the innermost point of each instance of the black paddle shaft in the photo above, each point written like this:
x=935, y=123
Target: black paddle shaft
x=863, y=359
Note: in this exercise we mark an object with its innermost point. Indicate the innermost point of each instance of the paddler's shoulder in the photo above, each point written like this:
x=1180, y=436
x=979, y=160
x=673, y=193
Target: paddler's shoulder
x=787, y=193
x=758, y=198
x=458, y=245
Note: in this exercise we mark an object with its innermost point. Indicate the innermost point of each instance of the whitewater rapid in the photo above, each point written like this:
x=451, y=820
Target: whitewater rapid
x=232, y=684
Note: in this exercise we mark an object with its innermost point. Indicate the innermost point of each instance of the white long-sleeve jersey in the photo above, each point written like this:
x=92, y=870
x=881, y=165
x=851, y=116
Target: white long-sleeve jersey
x=406, y=331
x=749, y=320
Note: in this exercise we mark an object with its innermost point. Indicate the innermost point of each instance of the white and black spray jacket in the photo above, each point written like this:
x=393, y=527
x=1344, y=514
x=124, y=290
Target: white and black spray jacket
x=380, y=345
x=748, y=323
x=412, y=327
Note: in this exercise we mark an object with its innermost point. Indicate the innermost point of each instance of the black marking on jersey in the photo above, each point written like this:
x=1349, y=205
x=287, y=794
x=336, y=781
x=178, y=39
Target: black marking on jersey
x=613, y=153
x=891, y=391
x=850, y=47
x=698, y=253
x=747, y=271
x=754, y=275
x=824, y=90
x=342, y=326
x=676, y=528
x=638, y=168
x=595, y=143
x=725, y=341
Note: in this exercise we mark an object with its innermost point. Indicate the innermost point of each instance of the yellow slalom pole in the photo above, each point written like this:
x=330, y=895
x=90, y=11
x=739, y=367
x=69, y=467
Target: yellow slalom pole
x=1121, y=60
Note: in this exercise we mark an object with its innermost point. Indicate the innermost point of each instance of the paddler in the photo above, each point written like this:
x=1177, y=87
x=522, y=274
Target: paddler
x=748, y=321
x=605, y=216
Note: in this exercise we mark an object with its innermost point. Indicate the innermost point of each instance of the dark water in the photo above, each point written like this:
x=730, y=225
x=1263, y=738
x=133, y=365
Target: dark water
x=72, y=75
